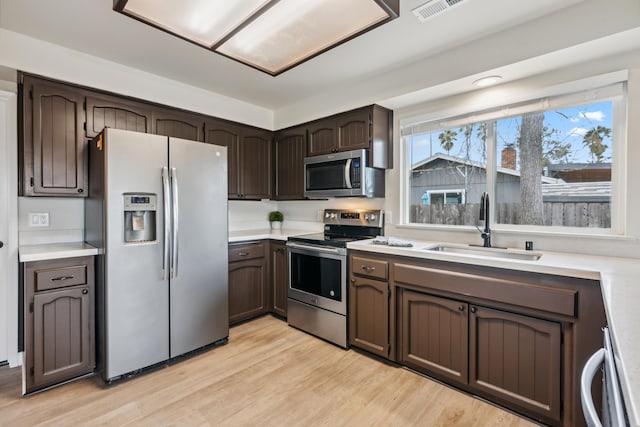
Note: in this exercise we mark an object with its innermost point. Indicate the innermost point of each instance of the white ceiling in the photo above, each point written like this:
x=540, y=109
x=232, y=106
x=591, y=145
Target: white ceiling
x=393, y=62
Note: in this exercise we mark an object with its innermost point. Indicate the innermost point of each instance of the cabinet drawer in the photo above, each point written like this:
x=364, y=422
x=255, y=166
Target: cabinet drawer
x=370, y=267
x=509, y=291
x=61, y=277
x=242, y=252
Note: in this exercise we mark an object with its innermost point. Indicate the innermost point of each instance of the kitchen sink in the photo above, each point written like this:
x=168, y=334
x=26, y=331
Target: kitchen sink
x=505, y=253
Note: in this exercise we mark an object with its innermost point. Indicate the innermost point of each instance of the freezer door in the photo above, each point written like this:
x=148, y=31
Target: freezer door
x=136, y=295
x=198, y=287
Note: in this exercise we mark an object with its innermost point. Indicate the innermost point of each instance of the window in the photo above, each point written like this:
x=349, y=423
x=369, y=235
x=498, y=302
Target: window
x=547, y=162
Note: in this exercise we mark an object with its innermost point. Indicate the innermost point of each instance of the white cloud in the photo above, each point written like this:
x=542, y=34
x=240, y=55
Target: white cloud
x=577, y=132
x=597, y=116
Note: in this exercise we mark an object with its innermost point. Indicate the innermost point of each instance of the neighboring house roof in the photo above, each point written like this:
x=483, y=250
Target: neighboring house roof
x=574, y=166
x=453, y=159
x=576, y=191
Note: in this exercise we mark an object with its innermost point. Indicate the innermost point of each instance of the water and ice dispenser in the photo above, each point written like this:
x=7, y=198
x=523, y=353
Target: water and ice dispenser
x=140, y=217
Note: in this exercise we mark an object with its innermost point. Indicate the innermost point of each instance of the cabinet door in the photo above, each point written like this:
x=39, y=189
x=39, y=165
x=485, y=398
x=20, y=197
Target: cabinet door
x=279, y=278
x=517, y=360
x=247, y=296
x=54, y=147
x=322, y=137
x=354, y=130
x=62, y=325
x=225, y=134
x=117, y=113
x=369, y=315
x=255, y=164
x=435, y=335
x=289, y=151
x=178, y=124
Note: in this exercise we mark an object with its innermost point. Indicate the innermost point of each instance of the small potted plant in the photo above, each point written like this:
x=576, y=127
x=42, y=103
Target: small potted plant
x=276, y=218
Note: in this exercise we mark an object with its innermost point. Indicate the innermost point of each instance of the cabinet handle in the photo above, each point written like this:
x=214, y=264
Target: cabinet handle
x=368, y=268
x=243, y=253
x=461, y=308
x=85, y=291
x=57, y=279
x=353, y=281
x=473, y=309
x=80, y=190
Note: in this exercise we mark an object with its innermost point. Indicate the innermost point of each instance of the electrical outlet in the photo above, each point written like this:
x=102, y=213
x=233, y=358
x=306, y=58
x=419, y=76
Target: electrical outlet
x=387, y=217
x=39, y=219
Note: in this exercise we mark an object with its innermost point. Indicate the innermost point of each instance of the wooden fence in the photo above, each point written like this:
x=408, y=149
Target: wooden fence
x=560, y=214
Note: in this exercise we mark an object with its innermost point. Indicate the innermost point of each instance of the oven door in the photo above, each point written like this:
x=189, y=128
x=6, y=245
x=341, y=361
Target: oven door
x=318, y=276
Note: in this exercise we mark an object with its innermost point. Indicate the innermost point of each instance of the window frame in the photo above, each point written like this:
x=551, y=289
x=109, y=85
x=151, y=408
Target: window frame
x=614, y=91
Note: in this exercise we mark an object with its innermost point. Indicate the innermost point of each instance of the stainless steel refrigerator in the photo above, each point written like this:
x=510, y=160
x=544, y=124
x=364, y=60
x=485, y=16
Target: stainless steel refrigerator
x=157, y=207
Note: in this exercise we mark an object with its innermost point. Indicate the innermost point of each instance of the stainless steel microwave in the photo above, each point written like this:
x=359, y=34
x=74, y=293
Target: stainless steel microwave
x=342, y=175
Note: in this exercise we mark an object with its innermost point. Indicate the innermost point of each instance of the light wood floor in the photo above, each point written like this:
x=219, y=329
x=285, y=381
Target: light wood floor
x=268, y=375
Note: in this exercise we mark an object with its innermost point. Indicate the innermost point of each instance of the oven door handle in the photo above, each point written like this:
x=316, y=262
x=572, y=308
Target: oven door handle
x=334, y=251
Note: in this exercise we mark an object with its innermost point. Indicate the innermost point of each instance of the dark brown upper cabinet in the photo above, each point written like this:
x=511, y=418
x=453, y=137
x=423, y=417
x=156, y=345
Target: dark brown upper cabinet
x=369, y=127
x=117, y=113
x=255, y=163
x=248, y=157
x=52, y=144
x=178, y=124
x=289, y=151
x=322, y=137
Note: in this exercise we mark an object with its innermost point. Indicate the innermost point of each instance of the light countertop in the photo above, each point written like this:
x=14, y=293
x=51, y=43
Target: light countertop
x=619, y=280
x=259, y=234
x=47, y=251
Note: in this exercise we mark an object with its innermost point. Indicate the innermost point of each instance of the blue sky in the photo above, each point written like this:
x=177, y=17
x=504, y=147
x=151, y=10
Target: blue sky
x=570, y=125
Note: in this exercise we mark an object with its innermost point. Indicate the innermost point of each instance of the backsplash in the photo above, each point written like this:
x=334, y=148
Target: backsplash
x=66, y=220
x=66, y=216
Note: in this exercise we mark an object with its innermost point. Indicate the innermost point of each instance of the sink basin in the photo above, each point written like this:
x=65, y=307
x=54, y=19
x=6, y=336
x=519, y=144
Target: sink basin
x=504, y=253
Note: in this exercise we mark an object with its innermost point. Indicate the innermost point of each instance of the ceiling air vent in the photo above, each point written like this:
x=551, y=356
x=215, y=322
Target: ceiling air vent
x=433, y=7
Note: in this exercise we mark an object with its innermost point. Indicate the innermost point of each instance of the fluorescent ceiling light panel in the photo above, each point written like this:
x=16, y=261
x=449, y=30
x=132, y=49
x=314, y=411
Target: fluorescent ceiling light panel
x=269, y=35
x=204, y=22
x=294, y=30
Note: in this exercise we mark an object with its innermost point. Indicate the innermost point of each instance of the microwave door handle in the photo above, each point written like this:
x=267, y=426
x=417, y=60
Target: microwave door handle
x=347, y=175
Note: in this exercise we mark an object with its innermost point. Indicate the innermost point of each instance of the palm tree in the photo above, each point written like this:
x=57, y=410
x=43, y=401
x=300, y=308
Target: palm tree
x=447, y=138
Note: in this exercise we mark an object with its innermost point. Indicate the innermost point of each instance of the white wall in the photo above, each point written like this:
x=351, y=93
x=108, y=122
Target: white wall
x=625, y=246
x=9, y=228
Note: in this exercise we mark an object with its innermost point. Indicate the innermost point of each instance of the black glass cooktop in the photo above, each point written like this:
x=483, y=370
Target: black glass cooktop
x=324, y=239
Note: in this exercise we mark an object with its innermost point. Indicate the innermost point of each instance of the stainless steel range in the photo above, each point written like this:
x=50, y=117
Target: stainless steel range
x=317, y=292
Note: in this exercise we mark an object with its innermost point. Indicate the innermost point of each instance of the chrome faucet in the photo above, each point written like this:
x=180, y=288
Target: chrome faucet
x=484, y=216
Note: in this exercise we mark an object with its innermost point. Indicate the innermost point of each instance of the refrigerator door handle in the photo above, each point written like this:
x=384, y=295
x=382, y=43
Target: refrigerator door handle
x=167, y=223
x=174, y=200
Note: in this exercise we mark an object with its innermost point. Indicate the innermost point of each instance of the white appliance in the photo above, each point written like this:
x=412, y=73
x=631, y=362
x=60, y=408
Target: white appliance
x=613, y=412
x=157, y=208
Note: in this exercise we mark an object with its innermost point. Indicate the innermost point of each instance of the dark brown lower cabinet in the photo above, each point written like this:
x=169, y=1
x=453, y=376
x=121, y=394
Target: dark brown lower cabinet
x=369, y=315
x=516, y=359
x=278, y=258
x=59, y=321
x=435, y=335
x=247, y=281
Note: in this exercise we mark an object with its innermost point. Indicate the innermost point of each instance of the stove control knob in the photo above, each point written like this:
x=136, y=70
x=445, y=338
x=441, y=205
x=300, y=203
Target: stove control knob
x=334, y=216
x=372, y=217
x=366, y=217
x=327, y=214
